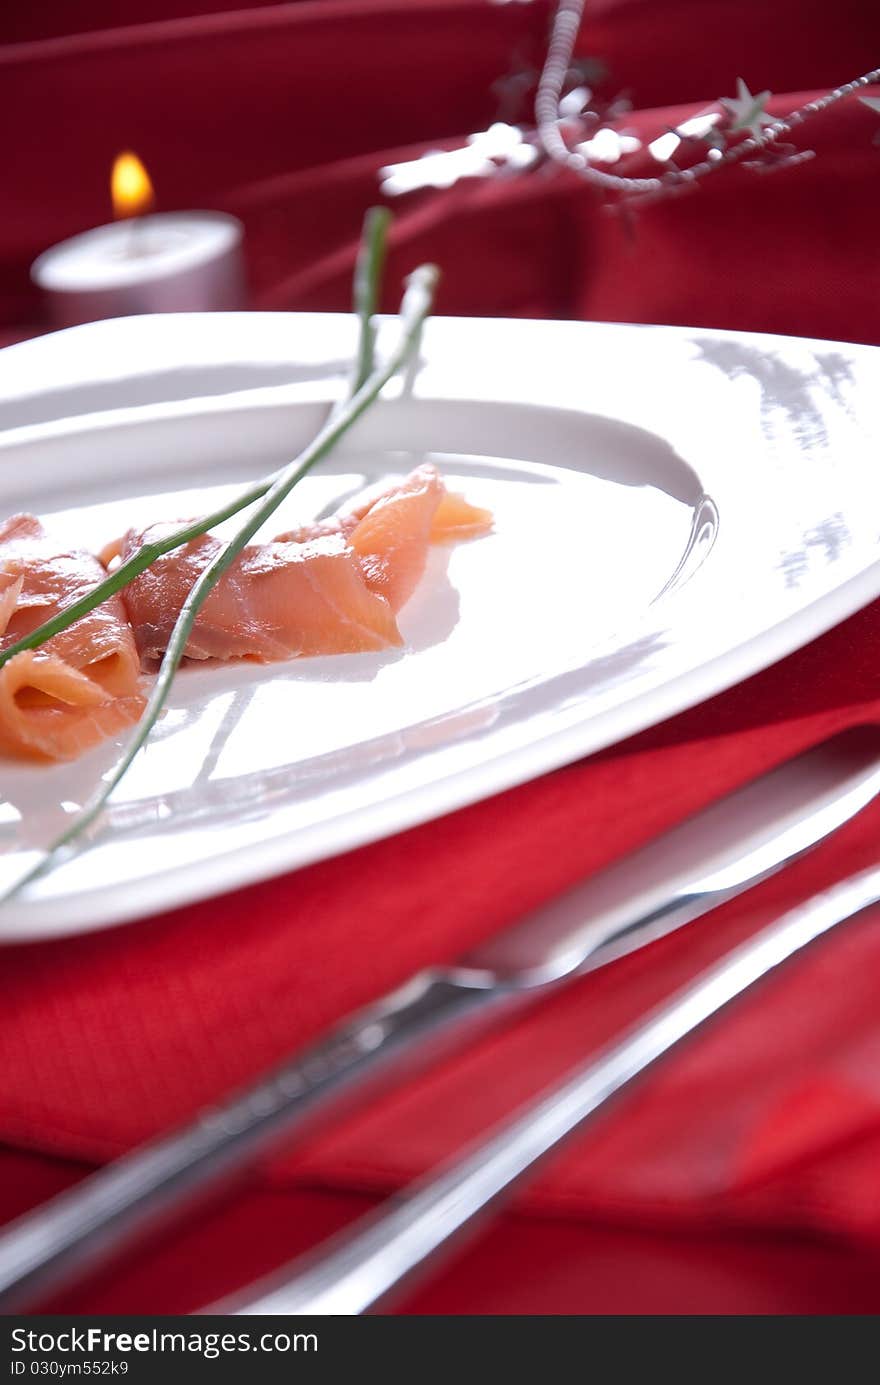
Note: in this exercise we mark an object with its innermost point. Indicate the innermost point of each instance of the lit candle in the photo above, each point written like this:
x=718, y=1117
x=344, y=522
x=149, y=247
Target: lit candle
x=158, y=263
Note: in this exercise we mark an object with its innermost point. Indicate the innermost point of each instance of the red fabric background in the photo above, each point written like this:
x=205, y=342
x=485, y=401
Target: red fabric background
x=741, y=1178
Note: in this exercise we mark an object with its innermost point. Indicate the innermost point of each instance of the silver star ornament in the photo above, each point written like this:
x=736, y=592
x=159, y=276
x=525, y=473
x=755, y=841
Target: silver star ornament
x=747, y=111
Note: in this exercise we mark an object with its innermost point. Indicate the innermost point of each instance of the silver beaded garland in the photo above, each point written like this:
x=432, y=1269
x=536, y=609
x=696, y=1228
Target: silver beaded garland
x=551, y=84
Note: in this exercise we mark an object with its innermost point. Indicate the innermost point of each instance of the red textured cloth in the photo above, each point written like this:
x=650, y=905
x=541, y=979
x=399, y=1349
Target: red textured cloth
x=744, y=1176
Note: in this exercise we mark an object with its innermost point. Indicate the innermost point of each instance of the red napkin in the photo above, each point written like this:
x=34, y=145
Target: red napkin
x=761, y=1136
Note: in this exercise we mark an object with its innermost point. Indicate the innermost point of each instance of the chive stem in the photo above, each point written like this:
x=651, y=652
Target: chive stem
x=416, y=306
x=367, y=280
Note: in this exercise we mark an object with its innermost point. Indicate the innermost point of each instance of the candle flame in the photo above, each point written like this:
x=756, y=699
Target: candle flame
x=130, y=186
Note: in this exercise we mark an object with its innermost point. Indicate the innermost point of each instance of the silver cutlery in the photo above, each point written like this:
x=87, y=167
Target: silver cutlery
x=361, y=1267
x=677, y=877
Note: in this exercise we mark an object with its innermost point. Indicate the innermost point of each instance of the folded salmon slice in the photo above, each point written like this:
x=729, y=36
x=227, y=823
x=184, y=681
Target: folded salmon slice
x=392, y=536
x=455, y=519
x=395, y=525
x=330, y=588
x=51, y=711
x=276, y=600
x=392, y=533
x=82, y=685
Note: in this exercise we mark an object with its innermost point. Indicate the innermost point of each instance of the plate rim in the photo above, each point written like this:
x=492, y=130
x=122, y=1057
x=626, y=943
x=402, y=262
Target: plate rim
x=405, y=810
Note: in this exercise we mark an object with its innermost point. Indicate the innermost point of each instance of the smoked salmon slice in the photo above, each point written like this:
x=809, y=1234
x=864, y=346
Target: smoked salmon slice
x=330, y=588
x=392, y=536
x=277, y=600
x=455, y=519
x=82, y=685
x=334, y=587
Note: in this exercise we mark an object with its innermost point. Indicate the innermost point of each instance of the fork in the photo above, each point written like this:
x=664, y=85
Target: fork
x=360, y=1269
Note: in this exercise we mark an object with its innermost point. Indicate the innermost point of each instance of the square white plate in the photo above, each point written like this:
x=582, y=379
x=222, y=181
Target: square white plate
x=674, y=510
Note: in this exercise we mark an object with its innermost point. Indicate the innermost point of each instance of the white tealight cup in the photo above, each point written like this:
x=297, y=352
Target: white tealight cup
x=181, y=262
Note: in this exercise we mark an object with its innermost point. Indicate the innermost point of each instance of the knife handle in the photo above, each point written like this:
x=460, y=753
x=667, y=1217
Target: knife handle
x=63, y=1237
x=357, y=1270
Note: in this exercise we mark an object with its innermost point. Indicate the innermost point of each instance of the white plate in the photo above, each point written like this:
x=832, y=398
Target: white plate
x=674, y=510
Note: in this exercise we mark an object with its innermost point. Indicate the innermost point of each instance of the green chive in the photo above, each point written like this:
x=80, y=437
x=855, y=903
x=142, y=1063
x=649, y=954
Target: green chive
x=367, y=282
x=416, y=306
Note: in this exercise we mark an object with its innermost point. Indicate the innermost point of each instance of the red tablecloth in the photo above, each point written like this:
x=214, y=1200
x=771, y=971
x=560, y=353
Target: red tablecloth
x=743, y=1177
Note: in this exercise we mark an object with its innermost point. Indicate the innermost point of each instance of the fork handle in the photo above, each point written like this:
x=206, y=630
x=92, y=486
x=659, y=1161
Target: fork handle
x=66, y=1235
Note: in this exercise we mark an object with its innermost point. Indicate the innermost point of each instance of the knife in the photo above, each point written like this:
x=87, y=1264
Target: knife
x=710, y=858
x=358, y=1268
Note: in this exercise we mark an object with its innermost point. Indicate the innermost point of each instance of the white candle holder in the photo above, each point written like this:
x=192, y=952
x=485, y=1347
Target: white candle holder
x=165, y=262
